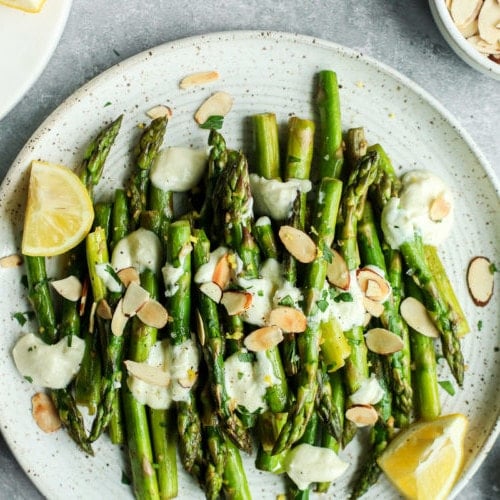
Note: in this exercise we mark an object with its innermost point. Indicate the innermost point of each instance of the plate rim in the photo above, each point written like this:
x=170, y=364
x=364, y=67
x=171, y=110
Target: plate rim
x=267, y=35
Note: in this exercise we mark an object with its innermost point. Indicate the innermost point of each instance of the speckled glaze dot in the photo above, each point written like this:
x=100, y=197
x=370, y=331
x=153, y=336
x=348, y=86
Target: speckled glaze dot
x=263, y=71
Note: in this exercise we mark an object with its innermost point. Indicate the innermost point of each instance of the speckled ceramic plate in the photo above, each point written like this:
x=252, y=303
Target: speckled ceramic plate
x=264, y=72
x=27, y=42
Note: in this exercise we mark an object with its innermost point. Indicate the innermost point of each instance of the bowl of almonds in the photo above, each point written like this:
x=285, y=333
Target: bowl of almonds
x=472, y=29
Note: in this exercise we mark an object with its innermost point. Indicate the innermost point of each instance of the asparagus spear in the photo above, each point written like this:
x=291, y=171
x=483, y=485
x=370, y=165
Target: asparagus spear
x=324, y=220
x=213, y=350
x=330, y=149
x=266, y=145
x=145, y=153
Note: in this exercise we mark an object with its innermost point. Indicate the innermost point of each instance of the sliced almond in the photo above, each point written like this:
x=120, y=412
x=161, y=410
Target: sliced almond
x=263, y=338
x=189, y=380
x=373, y=307
x=236, y=302
x=439, y=208
x=45, y=413
x=218, y=104
x=289, y=319
x=469, y=29
x=154, y=375
x=200, y=328
x=93, y=310
x=135, y=297
x=374, y=286
x=337, y=272
x=362, y=415
x=159, y=111
x=83, y=299
x=212, y=290
x=382, y=341
x=222, y=272
x=483, y=46
x=152, y=313
x=480, y=280
x=13, y=260
x=119, y=320
x=129, y=275
x=70, y=288
x=147, y=468
x=487, y=21
x=416, y=315
x=298, y=243
x=104, y=310
x=464, y=11
x=199, y=78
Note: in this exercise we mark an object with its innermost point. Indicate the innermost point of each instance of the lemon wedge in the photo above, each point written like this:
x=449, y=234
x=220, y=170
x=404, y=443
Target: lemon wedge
x=425, y=460
x=32, y=6
x=59, y=211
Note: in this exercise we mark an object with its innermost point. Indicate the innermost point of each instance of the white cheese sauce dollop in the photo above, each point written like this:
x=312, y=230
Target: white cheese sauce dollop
x=369, y=393
x=275, y=198
x=410, y=213
x=178, y=168
x=306, y=464
x=52, y=366
x=140, y=249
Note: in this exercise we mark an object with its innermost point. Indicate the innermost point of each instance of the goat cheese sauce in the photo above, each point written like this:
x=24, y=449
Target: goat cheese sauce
x=247, y=382
x=52, y=366
x=181, y=361
x=306, y=464
x=140, y=249
x=275, y=198
x=410, y=213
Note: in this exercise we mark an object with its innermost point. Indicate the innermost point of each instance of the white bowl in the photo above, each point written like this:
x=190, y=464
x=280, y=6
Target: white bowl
x=458, y=43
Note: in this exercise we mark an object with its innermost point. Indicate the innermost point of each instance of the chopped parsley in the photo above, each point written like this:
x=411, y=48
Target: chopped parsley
x=344, y=297
x=493, y=268
x=22, y=317
x=215, y=122
x=447, y=386
x=287, y=301
x=480, y=325
x=29, y=379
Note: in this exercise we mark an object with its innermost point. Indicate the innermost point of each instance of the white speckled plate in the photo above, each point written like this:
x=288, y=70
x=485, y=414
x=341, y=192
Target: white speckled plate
x=264, y=72
x=27, y=42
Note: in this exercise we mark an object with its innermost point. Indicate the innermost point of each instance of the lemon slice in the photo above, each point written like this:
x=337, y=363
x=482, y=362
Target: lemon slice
x=425, y=460
x=24, y=5
x=59, y=211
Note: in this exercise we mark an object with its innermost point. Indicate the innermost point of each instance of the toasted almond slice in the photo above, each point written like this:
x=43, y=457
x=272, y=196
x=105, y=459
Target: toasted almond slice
x=159, y=112
x=439, y=208
x=189, y=380
x=83, y=299
x=417, y=317
x=119, y=320
x=298, y=243
x=464, y=11
x=154, y=375
x=236, y=302
x=200, y=328
x=222, y=272
x=218, y=104
x=152, y=313
x=45, y=413
x=198, y=79
x=362, y=415
x=367, y=318
x=382, y=341
x=480, y=280
x=263, y=338
x=104, y=310
x=337, y=272
x=135, y=297
x=373, y=285
x=129, y=275
x=289, y=319
x=147, y=468
x=489, y=16
x=13, y=260
x=469, y=29
x=373, y=307
x=212, y=290
x=93, y=310
x=482, y=46
x=70, y=288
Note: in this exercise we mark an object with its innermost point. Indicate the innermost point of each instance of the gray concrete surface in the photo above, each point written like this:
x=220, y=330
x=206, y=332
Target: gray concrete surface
x=402, y=34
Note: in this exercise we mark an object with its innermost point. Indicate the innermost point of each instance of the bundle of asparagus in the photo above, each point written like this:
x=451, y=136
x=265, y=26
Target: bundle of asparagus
x=330, y=237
